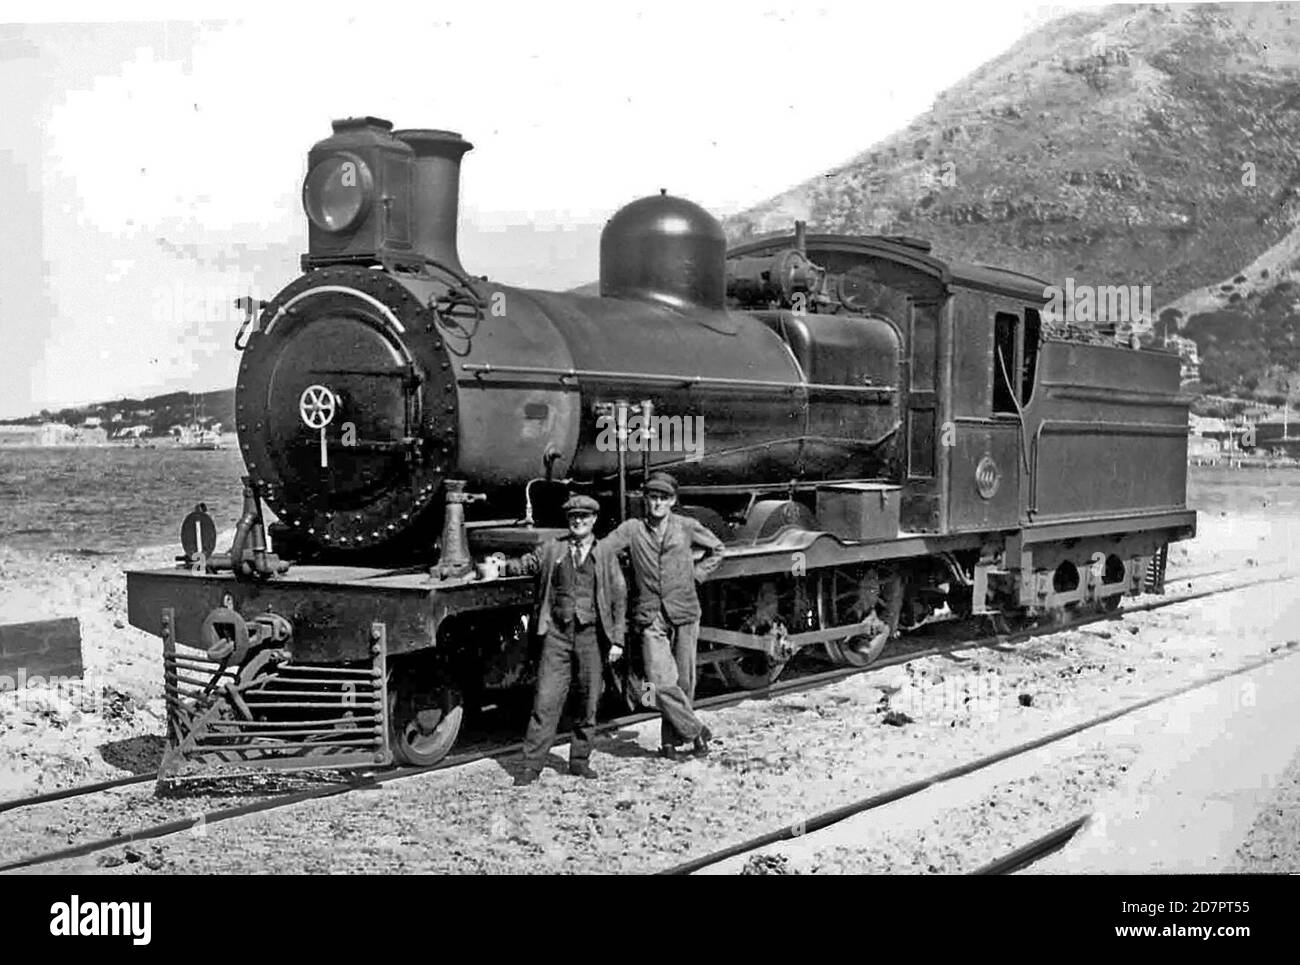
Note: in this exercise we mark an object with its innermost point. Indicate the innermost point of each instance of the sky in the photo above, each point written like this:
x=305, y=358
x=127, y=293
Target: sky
x=151, y=168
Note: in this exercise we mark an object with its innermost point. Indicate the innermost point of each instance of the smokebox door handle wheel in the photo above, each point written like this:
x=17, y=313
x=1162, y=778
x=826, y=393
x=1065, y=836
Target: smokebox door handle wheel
x=316, y=406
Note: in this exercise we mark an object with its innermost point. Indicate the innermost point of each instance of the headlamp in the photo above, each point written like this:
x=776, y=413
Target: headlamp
x=338, y=192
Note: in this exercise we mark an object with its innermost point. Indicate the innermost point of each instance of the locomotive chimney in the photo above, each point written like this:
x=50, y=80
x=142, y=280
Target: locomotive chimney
x=436, y=190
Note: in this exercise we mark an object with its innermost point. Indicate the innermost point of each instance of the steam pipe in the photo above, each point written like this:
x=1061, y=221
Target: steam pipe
x=647, y=420
x=620, y=423
x=528, y=499
x=250, y=524
x=248, y=518
x=261, y=565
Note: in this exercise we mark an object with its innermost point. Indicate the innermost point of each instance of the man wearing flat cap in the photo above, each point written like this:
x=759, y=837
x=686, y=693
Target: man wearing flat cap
x=580, y=608
x=666, y=607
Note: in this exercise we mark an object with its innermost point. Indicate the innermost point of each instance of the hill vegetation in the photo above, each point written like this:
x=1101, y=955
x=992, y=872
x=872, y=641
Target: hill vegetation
x=159, y=412
x=1128, y=145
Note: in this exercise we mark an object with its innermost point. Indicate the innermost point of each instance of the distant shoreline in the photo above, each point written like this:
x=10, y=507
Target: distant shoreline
x=164, y=443
x=69, y=445
x=1236, y=464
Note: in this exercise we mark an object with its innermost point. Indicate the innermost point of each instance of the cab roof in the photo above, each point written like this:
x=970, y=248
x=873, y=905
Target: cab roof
x=915, y=254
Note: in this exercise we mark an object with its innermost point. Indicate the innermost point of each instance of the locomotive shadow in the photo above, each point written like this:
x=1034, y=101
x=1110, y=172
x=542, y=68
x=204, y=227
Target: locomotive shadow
x=138, y=755
x=143, y=756
x=623, y=743
x=261, y=784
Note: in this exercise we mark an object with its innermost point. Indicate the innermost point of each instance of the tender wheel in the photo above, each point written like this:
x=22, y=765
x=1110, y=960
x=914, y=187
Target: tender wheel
x=1007, y=622
x=752, y=671
x=423, y=726
x=961, y=601
x=873, y=595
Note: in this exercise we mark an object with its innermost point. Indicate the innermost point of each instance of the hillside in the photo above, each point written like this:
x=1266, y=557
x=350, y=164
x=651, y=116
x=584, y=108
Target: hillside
x=159, y=412
x=1127, y=145
x=1253, y=347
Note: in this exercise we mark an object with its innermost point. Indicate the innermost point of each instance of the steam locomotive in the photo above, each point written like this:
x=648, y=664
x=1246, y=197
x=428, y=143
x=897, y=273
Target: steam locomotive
x=880, y=437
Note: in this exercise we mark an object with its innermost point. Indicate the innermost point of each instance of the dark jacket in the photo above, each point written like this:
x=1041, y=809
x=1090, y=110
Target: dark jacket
x=665, y=577
x=611, y=588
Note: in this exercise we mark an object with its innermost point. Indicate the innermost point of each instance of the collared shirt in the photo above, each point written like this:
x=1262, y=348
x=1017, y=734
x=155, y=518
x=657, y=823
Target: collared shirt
x=664, y=567
x=579, y=548
x=573, y=587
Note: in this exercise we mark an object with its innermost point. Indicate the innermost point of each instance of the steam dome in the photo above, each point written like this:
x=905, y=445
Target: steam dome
x=664, y=249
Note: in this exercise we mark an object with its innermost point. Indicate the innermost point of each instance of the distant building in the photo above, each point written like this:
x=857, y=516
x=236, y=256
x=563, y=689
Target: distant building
x=1212, y=436
x=52, y=434
x=1190, y=358
x=1277, y=435
x=1199, y=447
x=20, y=435
x=1208, y=428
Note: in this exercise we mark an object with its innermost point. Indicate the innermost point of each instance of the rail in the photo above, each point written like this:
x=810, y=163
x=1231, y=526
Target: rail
x=683, y=381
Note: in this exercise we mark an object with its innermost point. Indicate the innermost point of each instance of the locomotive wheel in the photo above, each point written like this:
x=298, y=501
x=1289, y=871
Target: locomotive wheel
x=752, y=671
x=875, y=594
x=756, y=609
x=423, y=727
x=860, y=651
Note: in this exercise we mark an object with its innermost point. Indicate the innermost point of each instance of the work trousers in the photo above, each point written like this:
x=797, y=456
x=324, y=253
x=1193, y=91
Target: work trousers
x=668, y=653
x=569, y=654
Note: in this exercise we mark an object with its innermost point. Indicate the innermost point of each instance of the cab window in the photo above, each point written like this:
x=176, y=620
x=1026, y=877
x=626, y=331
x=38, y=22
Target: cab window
x=1033, y=335
x=1004, y=362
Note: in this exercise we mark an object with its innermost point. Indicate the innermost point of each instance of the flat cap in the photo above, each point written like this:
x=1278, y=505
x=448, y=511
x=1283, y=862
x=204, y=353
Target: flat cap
x=661, y=482
x=581, y=504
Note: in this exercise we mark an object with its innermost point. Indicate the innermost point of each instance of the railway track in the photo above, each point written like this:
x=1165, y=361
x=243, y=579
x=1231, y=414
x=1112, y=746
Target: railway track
x=826, y=819
x=369, y=779
x=1035, y=850
x=890, y=660
x=81, y=790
